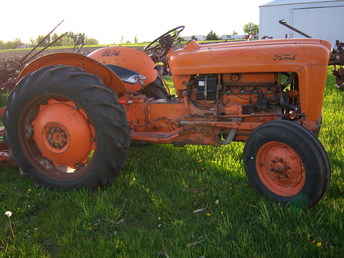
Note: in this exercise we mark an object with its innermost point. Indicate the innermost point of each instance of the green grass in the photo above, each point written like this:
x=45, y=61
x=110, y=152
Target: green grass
x=149, y=211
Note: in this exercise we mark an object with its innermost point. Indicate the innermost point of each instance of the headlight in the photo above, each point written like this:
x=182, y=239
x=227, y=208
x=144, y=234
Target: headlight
x=135, y=79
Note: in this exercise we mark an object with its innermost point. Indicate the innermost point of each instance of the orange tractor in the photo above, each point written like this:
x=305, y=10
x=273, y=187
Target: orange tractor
x=70, y=119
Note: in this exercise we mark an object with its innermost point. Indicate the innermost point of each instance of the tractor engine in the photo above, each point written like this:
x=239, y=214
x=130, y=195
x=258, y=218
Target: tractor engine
x=240, y=94
x=241, y=85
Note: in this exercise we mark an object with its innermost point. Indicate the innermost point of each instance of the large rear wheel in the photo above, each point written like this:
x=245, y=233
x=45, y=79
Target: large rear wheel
x=287, y=163
x=66, y=129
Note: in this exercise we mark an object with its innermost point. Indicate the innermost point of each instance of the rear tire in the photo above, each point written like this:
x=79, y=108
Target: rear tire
x=84, y=97
x=286, y=163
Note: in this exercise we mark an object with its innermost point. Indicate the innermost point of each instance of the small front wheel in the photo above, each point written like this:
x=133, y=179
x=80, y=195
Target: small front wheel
x=287, y=163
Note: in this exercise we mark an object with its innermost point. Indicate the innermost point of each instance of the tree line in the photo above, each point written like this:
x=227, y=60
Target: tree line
x=73, y=38
x=249, y=29
x=69, y=39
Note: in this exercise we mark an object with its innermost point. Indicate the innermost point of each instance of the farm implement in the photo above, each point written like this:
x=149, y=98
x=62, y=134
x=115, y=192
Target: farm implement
x=70, y=119
x=337, y=60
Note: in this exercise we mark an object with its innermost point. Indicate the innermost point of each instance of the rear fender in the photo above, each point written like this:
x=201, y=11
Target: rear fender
x=89, y=65
x=129, y=58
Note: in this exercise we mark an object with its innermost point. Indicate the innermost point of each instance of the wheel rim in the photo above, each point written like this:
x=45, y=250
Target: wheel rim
x=58, y=138
x=280, y=168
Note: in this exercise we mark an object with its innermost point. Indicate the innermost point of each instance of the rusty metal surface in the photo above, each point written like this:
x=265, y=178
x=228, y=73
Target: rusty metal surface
x=337, y=60
x=337, y=55
x=339, y=74
x=9, y=69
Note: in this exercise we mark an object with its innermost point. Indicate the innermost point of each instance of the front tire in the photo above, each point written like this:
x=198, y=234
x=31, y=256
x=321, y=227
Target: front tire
x=286, y=163
x=66, y=128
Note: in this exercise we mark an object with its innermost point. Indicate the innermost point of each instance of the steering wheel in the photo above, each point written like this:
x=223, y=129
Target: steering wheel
x=159, y=47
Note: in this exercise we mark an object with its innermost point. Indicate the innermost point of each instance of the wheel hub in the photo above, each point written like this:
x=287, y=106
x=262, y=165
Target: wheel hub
x=280, y=168
x=57, y=137
x=63, y=133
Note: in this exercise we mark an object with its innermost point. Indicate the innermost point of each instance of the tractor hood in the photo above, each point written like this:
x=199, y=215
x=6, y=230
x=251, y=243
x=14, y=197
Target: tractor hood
x=248, y=56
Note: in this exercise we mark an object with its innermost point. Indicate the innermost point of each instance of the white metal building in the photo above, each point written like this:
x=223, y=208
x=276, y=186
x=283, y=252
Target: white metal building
x=317, y=18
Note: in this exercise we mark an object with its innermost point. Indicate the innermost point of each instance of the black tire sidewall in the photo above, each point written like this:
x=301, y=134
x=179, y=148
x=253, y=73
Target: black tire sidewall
x=305, y=145
x=109, y=156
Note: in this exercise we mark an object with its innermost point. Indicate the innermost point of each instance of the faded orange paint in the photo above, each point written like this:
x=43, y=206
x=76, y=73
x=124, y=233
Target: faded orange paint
x=63, y=134
x=182, y=82
x=250, y=78
x=280, y=168
x=150, y=121
x=308, y=58
x=183, y=121
x=129, y=58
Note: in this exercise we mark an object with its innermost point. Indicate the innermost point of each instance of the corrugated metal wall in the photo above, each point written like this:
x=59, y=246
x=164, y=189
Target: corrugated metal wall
x=324, y=20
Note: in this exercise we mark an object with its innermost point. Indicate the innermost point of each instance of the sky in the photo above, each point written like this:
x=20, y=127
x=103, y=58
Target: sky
x=115, y=20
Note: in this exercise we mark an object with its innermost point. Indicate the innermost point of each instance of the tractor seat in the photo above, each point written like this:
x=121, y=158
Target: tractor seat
x=124, y=74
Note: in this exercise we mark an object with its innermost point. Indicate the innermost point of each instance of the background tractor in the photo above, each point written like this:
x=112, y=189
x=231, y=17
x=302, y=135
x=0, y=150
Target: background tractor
x=70, y=119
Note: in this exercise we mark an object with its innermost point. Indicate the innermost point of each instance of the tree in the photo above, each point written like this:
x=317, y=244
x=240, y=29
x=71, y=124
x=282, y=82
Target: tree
x=77, y=39
x=59, y=42
x=91, y=41
x=193, y=37
x=40, y=38
x=212, y=36
x=70, y=39
x=234, y=33
x=251, y=28
x=136, y=40
x=17, y=43
x=11, y=44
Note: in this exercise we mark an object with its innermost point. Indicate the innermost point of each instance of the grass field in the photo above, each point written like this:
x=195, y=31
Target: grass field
x=177, y=202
